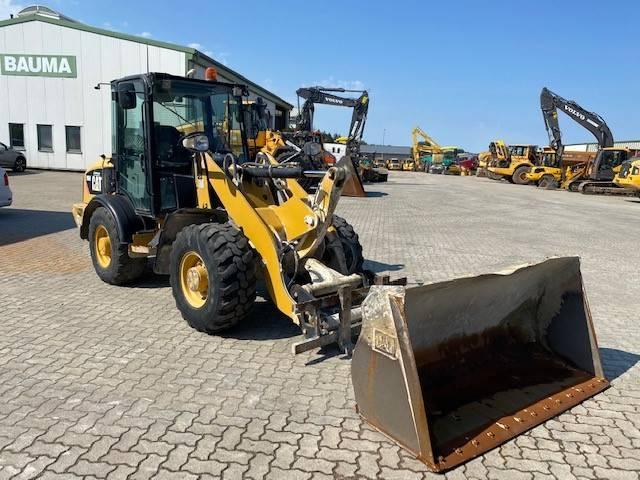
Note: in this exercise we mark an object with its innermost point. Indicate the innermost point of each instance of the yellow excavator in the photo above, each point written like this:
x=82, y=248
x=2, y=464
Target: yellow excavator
x=447, y=370
x=423, y=147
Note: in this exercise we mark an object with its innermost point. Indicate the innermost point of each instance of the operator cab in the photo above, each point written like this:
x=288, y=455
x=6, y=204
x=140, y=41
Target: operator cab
x=152, y=114
x=607, y=160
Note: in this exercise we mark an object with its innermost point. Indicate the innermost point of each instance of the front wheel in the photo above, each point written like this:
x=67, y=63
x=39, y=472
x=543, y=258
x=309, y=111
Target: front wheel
x=545, y=181
x=351, y=248
x=520, y=175
x=213, y=276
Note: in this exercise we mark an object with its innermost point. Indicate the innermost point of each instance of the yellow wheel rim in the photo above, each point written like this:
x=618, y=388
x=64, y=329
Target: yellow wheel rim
x=102, y=246
x=194, y=279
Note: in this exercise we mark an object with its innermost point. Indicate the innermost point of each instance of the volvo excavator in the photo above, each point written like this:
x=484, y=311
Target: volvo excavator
x=448, y=370
x=360, y=105
x=593, y=176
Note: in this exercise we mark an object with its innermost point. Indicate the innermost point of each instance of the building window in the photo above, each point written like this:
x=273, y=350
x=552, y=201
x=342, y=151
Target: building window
x=73, y=140
x=45, y=138
x=16, y=136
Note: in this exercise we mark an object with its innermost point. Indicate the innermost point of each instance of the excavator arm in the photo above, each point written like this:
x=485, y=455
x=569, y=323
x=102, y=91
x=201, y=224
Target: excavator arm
x=322, y=96
x=360, y=106
x=551, y=102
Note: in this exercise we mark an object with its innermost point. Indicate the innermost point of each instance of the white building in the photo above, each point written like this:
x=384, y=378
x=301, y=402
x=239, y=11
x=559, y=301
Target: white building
x=49, y=66
x=593, y=147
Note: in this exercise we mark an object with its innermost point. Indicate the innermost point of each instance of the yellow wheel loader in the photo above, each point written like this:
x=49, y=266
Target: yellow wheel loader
x=448, y=370
x=515, y=167
x=548, y=174
x=629, y=175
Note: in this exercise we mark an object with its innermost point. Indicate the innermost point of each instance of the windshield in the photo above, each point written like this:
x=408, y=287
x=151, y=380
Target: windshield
x=549, y=160
x=183, y=107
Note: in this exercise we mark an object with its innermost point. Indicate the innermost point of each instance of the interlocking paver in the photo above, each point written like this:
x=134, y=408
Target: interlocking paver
x=108, y=382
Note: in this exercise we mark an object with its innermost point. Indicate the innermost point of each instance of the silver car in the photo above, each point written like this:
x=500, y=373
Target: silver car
x=13, y=159
x=5, y=192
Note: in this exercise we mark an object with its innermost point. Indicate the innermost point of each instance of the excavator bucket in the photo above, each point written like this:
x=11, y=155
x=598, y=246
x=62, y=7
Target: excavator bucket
x=451, y=370
x=353, y=187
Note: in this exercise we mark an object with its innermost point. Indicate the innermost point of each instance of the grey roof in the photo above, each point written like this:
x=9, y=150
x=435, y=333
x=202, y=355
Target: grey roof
x=46, y=15
x=386, y=149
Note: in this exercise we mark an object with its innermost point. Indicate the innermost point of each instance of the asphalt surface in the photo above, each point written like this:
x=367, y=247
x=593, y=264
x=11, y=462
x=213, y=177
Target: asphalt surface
x=109, y=382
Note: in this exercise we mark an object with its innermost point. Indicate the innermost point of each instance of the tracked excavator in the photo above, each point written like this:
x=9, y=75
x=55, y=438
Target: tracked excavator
x=448, y=370
x=596, y=175
x=361, y=171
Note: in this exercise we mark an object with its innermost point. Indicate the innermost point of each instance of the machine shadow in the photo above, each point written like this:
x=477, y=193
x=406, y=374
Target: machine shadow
x=265, y=322
x=371, y=194
x=11, y=173
x=377, y=267
x=617, y=362
x=18, y=225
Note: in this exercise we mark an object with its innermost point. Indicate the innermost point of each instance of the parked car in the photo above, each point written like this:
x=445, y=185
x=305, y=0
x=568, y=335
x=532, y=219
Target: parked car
x=6, y=196
x=13, y=159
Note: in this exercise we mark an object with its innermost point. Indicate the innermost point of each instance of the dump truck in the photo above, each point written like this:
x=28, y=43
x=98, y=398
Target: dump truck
x=448, y=370
x=515, y=167
x=498, y=152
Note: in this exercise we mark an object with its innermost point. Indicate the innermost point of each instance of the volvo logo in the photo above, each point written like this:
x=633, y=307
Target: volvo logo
x=574, y=112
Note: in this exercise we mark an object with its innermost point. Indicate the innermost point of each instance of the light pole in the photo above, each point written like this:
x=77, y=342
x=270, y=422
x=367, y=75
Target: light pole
x=384, y=132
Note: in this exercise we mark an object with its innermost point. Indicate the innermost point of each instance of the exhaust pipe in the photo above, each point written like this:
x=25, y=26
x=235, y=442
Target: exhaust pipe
x=451, y=370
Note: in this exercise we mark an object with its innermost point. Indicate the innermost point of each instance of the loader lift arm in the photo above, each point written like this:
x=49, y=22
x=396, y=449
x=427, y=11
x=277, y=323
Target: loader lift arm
x=551, y=102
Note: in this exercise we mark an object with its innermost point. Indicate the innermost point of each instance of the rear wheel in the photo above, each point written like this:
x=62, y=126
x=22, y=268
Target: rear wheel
x=213, y=276
x=520, y=175
x=109, y=254
x=20, y=164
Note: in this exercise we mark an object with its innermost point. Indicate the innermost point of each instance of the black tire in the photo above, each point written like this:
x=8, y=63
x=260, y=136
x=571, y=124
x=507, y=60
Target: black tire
x=350, y=245
x=520, y=175
x=20, y=164
x=545, y=181
x=230, y=263
x=122, y=268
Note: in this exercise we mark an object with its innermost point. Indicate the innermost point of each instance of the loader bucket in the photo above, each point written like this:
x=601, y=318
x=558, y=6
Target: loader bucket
x=451, y=370
x=353, y=187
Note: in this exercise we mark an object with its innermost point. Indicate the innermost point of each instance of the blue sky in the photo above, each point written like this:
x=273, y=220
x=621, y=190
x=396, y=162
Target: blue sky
x=465, y=71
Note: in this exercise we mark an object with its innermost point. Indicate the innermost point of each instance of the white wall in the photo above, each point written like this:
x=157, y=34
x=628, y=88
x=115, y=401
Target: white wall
x=71, y=101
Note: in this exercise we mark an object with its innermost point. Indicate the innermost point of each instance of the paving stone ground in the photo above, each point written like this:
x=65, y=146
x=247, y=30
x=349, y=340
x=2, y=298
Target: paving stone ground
x=109, y=382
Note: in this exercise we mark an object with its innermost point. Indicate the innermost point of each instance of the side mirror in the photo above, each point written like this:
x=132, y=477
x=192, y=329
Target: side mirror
x=196, y=142
x=126, y=96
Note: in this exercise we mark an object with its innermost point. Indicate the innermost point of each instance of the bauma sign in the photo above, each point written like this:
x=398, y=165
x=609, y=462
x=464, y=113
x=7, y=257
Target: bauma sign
x=39, y=65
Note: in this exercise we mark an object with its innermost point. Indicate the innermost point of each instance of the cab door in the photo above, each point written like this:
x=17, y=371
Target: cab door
x=130, y=152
